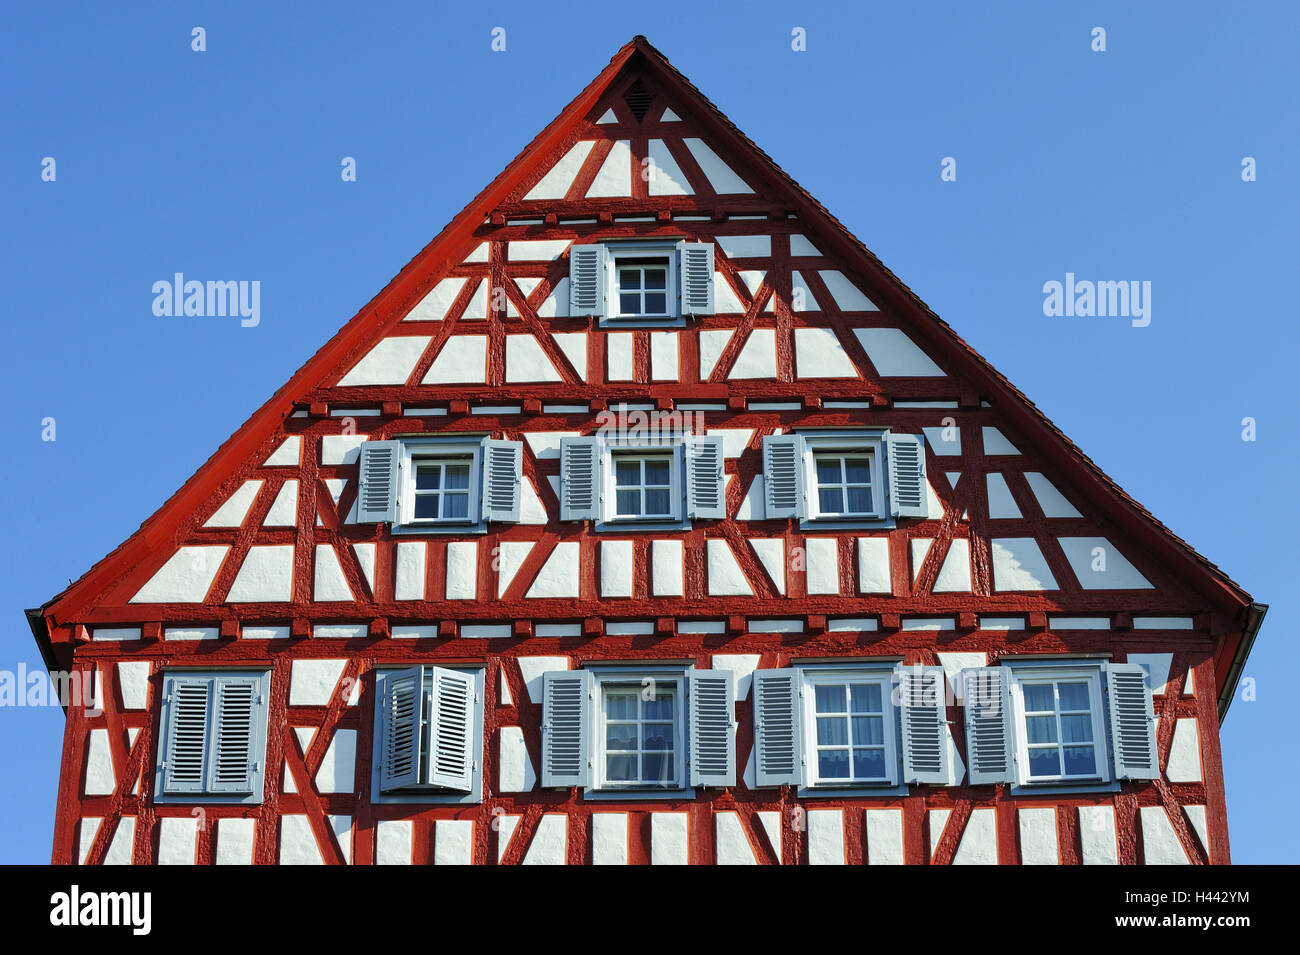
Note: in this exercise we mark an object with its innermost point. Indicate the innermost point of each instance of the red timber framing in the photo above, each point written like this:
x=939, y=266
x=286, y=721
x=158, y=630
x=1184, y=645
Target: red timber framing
x=313, y=405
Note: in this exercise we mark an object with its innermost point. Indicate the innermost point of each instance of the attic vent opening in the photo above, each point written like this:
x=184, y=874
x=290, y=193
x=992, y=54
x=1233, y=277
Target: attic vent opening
x=638, y=100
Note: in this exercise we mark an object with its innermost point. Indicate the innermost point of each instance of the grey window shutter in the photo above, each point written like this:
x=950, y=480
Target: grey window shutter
x=923, y=711
x=586, y=280
x=502, y=474
x=377, y=495
x=451, y=729
x=987, y=700
x=566, y=728
x=184, y=756
x=783, y=476
x=403, y=716
x=237, y=706
x=579, y=479
x=906, y=454
x=779, y=758
x=712, y=728
x=1132, y=722
x=705, y=485
x=695, y=277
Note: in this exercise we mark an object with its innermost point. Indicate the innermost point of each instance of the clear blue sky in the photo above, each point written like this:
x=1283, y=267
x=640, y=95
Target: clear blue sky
x=225, y=164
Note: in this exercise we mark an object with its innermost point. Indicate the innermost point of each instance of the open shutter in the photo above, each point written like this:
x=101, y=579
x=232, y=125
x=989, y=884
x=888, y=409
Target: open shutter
x=1132, y=722
x=906, y=453
x=377, y=495
x=713, y=737
x=586, y=280
x=502, y=473
x=923, y=711
x=705, y=486
x=987, y=701
x=783, y=475
x=238, y=703
x=566, y=728
x=451, y=729
x=579, y=479
x=403, y=716
x=186, y=702
x=695, y=277
x=776, y=728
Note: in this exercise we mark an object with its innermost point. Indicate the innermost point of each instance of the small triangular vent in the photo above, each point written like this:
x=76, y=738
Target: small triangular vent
x=638, y=100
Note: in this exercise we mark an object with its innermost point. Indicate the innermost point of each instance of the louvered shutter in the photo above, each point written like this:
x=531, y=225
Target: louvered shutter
x=586, y=280
x=779, y=748
x=237, y=707
x=906, y=454
x=184, y=763
x=579, y=479
x=1132, y=722
x=566, y=728
x=783, y=476
x=705, y=485
x=695, y=277
x=502, y=474
x=403, y=713
x=987, y=700
x=451, y=730
x=377, y=494
x=923, y=711
x=712, y=728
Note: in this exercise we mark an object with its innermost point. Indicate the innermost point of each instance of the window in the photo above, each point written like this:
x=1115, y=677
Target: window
x=212, y=736
x=440, y=484
x=641, y=283
x=624, y=732
x=1055, y=723
x=625, y=482
x=428, y=735
x=853, y=478
x=849, y=718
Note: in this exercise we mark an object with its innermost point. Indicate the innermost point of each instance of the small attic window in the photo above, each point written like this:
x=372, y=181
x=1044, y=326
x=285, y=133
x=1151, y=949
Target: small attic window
x=638, y=99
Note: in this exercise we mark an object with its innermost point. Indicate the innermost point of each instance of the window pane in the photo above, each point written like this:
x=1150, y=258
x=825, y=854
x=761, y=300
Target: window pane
x=860, y=500
x=426, y=479
x=1038, y=698
x=868, y=729
x=656, y=471
x=658, y=736
x=833, y=764
x=628, y=503
x=620, y=736
x=656, y=303
x=828, y=470
x=1044, y=762
x=832, y=731
x=1080, y=761
x=629, y=304
x=660, y=708
x=865, y=697
x=629, y=279
x=830, y=699
x=869, y=763
x=627, y=473
x=620, y=768
x=620, y=706
x=1042, y=729
x=455, y=505
x=656, y=502
x=656, y=767
x=1076, y=729
x=858, y=471
x=656, y=278
x=830, y=500
x=1074, y=696
x=458, y=476
x=426, y=505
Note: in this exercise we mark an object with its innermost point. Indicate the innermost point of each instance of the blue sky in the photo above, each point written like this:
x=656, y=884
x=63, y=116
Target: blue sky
x=1117, y=165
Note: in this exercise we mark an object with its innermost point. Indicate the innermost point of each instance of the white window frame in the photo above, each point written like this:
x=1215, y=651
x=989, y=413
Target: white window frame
x=885, y=678
x=640, y=250
x=1090, y=674
x=872, y=445
x=416, y=452
x=674, y=449
x=639, y=680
